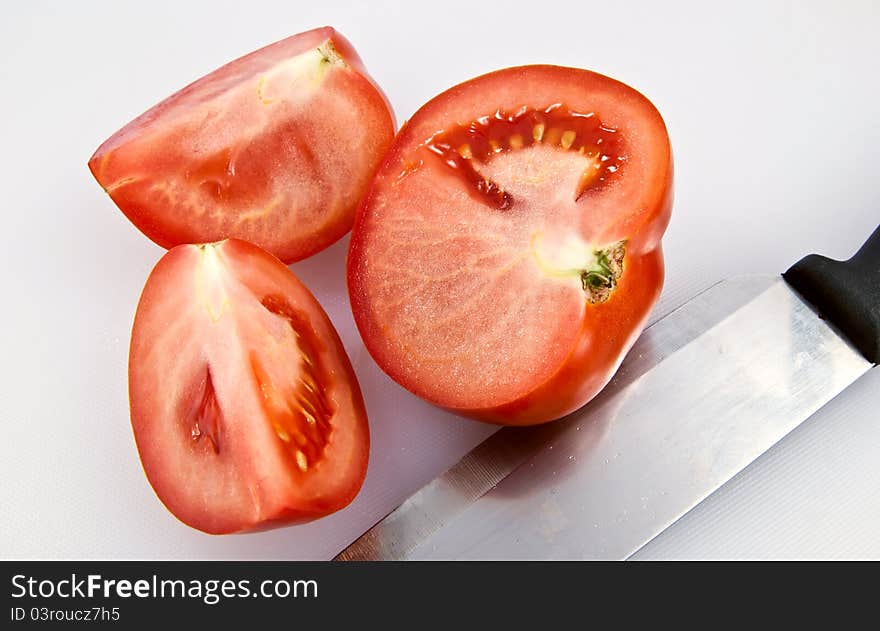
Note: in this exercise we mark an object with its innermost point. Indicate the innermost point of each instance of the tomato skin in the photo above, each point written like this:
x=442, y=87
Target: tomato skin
x=605, y=332
x=204, y=311
x=264, y=149
x=595, y=359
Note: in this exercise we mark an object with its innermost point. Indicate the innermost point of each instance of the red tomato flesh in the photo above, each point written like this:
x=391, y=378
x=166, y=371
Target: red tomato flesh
x=276, y=148
x=244, y=405
x=508, y=252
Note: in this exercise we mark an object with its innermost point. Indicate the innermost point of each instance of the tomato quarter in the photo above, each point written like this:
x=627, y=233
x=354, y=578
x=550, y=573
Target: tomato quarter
x=508, y=253
x=245, y=408
x=275, y=148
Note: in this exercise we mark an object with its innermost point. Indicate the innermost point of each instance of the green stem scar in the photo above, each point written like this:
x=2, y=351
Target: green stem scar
x=602, y=268
x=329, y=54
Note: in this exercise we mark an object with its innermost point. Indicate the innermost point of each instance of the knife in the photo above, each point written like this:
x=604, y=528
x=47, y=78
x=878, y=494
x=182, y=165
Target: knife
x=704, y=392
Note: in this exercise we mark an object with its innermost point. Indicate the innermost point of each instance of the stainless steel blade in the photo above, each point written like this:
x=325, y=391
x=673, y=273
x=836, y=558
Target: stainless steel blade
x=692, y=405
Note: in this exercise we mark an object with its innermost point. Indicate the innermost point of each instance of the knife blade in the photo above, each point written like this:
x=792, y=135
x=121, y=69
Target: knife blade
x=704, y=392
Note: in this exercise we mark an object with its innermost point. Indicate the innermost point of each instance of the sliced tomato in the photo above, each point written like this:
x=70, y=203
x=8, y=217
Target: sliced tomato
x=245, y=408
x=276, y=148
x=508, y=252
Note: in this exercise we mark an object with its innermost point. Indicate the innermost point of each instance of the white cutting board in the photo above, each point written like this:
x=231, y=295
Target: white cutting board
x=771, y=107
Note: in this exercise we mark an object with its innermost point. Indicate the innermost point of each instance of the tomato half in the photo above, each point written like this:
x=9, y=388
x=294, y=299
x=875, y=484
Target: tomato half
x=275, y=148
x=244, y=405
x=508, y=252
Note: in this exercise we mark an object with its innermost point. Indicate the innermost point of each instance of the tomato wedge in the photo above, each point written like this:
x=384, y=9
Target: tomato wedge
x=276, y=148
x=508, y=252
x=244, y=405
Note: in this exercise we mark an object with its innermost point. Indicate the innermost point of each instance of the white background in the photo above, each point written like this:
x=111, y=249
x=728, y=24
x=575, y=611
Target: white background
x=772, y=111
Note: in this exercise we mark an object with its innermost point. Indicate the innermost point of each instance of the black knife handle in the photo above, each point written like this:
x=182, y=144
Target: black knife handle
x=846, y=293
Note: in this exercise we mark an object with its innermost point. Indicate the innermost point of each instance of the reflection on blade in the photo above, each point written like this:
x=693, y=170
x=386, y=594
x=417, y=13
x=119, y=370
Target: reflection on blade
x=582, y=453
x=672, y=437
